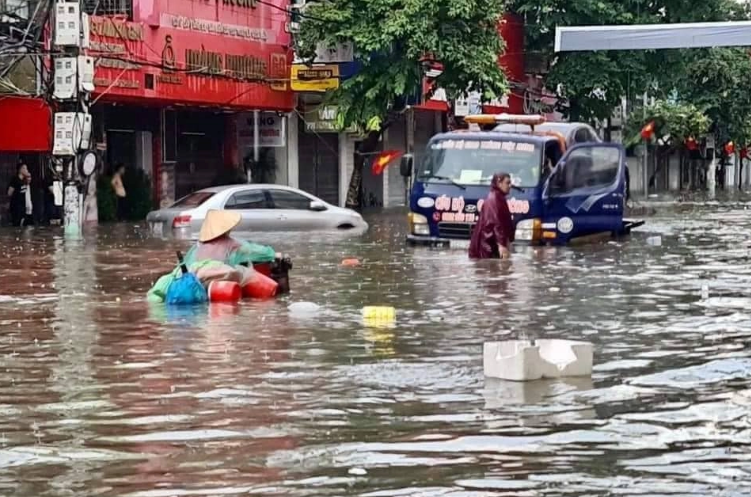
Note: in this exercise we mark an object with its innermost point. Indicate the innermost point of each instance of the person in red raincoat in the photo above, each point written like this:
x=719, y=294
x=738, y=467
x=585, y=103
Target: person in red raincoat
x=494, y=232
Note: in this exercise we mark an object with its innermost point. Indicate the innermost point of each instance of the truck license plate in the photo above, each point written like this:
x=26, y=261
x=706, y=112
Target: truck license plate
x=459, y=244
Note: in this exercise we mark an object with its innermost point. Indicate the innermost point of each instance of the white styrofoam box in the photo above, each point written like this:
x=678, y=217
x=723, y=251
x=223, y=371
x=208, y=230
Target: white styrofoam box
x=520, y=360
x=65, y=78
x=67, y=24
x=72, y=133
x=566, y=358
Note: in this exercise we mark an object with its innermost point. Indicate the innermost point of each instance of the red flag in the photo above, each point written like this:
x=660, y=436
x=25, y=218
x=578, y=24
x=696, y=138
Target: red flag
x=648, y=131
x=384, y=159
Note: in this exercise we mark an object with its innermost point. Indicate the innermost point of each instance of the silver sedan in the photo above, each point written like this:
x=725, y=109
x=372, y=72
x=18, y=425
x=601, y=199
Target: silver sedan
x=262, y=207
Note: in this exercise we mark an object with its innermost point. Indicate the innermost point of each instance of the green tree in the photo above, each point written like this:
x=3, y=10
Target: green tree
x=718, y=81
x=391, y=39
x=592, y=83
x=674, y=123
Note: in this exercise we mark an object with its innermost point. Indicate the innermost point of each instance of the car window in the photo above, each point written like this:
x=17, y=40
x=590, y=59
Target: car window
x=252, y=199
x=284, y=199
x=590, y=167
x=582, y=136
x=194, y=199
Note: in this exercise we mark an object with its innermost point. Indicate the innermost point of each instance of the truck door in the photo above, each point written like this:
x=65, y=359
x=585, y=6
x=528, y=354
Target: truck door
x=585, y=193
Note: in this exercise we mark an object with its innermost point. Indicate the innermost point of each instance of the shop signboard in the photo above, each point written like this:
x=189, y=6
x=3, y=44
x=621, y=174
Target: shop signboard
x=221, y=55
x=271, y=131
x=323, y=120
x=316, y=78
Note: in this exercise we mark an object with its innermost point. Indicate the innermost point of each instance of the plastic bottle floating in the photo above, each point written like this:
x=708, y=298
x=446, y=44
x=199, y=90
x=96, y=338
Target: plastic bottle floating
x=524, y=360
x=379, y=316
x=224, y=291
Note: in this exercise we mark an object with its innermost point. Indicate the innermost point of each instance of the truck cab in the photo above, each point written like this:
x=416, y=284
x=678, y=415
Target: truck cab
x=567, y=184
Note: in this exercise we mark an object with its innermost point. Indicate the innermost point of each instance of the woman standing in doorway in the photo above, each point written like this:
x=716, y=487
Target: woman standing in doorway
x=117, y=186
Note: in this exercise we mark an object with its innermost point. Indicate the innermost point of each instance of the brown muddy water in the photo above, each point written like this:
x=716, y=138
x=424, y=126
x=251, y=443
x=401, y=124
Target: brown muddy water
x=104, y=395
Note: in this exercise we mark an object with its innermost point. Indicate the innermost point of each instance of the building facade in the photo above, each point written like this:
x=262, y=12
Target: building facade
x=174, y=81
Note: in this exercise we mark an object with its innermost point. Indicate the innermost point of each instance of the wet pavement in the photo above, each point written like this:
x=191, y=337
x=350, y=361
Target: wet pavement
x=104, y=395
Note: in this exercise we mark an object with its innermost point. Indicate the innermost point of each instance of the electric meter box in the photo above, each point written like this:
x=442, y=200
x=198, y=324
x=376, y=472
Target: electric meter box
x=67, y=24
x=86, y=73
x=85, y=31
x=72, y=133
x=72, y=70
x=65, y=78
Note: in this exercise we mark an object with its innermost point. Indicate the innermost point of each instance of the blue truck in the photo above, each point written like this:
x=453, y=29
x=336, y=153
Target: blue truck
x=567, y=184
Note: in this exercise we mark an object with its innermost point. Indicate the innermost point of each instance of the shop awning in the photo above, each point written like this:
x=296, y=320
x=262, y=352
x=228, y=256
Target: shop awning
x=26, y=125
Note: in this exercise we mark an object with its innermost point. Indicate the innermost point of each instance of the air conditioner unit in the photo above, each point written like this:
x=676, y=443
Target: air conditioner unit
x=72, y=133
x=67, y=30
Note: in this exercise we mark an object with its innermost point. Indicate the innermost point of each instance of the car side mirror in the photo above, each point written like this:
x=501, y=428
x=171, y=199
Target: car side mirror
x=317, y=206
x=405, y=166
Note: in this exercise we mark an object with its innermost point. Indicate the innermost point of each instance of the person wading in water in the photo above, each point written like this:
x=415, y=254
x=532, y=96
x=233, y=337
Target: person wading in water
x=494, y=232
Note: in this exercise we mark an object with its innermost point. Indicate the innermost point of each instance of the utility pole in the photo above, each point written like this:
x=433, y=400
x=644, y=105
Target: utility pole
x=73, y=84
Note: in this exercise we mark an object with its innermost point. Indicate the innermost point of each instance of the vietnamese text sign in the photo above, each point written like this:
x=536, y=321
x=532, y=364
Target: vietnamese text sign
x=315, y=78
x=323, y=120
x=270, y=130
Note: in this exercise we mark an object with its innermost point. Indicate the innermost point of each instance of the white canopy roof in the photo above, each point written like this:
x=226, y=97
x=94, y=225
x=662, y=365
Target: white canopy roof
x=653, y=36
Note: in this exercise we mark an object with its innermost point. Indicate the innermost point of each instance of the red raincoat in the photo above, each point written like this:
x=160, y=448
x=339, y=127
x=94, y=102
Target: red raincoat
x=495, y=227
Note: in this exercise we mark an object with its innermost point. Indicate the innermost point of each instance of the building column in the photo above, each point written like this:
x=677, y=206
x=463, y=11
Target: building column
x=346, y=165
x=231, y=158
x=293, y=153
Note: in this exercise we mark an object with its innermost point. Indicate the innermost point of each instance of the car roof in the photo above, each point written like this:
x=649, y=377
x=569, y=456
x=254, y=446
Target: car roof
x=248, y=186
x=496, y=135
x=566, y=129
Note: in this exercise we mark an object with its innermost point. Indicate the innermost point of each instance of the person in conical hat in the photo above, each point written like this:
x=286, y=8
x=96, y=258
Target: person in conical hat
x=214, y=240
x=218, y=224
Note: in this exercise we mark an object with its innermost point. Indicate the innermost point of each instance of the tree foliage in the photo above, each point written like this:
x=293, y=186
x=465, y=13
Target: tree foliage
x=392, y=37
x=592, y=83
x=674, y=123
x=718, y=81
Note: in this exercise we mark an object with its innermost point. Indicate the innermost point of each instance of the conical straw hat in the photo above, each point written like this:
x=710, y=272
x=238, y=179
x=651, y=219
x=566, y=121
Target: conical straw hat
x=218, y=223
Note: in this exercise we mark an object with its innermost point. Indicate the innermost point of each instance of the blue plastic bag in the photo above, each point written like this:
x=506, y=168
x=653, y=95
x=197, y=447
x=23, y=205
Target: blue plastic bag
x=187, y=289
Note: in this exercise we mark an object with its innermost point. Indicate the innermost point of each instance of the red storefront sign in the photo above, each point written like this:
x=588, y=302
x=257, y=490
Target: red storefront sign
x=219, y=53
x=25, y=125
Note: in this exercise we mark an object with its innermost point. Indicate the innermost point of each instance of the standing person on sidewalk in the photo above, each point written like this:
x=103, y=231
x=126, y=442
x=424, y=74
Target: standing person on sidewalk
x=495, y=231
x=19, y=194
x=117, y=186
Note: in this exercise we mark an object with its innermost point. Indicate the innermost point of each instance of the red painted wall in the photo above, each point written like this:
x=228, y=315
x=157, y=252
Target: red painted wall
x=511, y=30
x=25, y=125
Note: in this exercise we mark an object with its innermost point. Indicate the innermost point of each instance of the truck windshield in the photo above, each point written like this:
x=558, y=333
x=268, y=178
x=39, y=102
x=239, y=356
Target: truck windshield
x=475, y=161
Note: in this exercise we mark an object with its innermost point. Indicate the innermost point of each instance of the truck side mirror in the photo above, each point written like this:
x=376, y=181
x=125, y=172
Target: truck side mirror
x=406, y=164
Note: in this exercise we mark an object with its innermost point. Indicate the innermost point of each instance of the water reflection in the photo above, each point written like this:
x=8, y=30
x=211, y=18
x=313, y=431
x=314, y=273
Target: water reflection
x=103, y=394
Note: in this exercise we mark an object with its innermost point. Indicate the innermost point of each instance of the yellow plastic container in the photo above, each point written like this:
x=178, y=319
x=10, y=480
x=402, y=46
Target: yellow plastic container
x=379, y=313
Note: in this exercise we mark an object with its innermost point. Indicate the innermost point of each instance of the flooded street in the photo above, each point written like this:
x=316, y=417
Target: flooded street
x=104, y=395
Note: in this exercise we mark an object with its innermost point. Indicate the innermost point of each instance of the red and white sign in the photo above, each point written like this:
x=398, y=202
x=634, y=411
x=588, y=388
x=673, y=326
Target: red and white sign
x=222, y=53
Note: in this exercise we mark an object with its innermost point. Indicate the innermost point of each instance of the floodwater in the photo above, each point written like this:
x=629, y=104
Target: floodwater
x=103, y=395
